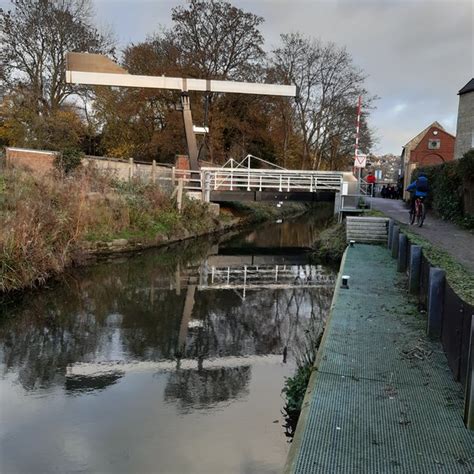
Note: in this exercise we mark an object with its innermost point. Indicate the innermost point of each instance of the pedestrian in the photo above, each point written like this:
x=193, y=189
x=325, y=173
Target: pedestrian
x=371, y=182
x=383, y=192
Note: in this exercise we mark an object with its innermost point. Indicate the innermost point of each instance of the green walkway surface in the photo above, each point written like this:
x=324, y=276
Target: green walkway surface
x=382, y=398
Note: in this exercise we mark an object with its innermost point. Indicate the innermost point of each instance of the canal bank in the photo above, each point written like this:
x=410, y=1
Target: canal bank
x=382, y=397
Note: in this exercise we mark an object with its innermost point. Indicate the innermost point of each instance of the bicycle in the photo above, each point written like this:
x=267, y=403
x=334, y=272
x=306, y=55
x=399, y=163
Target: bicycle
x=419, y=213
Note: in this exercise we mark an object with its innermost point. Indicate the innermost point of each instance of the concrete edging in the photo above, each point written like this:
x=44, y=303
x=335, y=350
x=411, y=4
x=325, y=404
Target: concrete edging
x=292, y=457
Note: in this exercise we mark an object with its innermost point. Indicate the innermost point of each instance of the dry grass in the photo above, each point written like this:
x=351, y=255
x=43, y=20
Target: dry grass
x=43, y=218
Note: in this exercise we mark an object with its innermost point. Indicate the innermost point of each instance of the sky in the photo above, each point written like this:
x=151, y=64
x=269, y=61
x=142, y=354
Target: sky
x=417, y=53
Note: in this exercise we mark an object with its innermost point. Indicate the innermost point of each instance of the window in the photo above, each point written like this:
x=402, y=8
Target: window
x=434, y=144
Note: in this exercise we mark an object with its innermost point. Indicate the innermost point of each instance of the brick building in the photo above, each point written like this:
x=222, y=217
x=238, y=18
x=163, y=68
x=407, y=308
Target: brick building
x=433, y=146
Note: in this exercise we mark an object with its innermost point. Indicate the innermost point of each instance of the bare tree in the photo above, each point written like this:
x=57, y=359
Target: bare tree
x=35, y=37
x=328, y=84
x=218, y=40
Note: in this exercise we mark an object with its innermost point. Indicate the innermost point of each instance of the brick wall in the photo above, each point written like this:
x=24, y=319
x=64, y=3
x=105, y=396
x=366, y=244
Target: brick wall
x=422, y=155
x=38, y=161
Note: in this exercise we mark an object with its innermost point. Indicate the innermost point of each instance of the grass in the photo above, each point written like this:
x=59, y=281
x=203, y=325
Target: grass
x=459, y=278
x=44, y=219
x=331, y=243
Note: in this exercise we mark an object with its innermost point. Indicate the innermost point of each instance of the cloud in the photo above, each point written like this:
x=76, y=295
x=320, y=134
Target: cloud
x=398, y=108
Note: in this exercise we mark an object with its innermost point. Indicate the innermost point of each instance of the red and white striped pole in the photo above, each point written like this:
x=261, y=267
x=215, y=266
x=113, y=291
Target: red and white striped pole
x=359, y=106
x=356, y=150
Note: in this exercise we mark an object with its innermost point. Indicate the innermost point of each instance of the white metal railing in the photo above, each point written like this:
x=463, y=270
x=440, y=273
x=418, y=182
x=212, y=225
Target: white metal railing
x=251, y=179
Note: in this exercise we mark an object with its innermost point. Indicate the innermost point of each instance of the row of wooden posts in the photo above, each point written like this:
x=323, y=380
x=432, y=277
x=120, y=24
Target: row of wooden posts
x=409, y=260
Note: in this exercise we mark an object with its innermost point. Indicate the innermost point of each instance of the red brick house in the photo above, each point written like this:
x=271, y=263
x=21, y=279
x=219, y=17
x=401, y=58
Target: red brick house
x=433, y=146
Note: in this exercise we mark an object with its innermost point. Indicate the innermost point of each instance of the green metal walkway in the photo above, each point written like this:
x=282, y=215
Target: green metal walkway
x=382, y=399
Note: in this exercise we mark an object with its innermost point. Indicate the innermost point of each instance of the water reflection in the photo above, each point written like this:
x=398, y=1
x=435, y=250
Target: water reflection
x=195, y=324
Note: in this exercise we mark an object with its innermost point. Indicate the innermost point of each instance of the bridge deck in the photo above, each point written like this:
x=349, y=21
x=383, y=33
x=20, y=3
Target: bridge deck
x=382, y=398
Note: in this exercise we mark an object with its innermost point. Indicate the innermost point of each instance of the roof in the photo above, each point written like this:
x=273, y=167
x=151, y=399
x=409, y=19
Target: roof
x=417, y=139
x=469, y=87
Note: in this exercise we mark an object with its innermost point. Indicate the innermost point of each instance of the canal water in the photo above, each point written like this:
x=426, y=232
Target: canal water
x=171, y=361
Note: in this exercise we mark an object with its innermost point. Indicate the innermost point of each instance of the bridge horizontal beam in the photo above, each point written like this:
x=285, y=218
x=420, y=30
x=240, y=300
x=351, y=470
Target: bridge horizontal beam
x=177, y=83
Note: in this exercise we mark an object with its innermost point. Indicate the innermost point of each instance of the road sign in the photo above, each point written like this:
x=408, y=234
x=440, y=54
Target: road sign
x=360, y=161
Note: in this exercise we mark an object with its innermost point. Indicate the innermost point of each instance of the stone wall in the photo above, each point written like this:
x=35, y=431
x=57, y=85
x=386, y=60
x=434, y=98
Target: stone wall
x=42, y=162
x=465, y=125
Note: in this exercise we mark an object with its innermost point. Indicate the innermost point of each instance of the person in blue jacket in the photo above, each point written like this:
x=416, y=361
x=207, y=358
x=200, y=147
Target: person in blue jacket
x=419, y=188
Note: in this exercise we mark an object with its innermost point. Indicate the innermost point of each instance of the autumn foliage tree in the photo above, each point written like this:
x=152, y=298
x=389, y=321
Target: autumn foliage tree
x=36, y=35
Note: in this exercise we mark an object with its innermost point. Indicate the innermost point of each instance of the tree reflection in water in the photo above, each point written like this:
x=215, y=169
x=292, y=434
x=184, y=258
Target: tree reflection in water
x=198, y=389
x=132, y=311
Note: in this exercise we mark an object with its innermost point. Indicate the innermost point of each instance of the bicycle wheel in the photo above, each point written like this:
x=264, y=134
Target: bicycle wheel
x=421, y=214
x=412, y=216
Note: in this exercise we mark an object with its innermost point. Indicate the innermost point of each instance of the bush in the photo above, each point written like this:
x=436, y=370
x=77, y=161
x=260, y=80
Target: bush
x=68, y=160
x=446, y=188
x=466, y=165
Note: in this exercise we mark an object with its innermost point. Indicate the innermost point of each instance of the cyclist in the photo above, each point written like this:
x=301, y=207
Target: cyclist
x=418, y=189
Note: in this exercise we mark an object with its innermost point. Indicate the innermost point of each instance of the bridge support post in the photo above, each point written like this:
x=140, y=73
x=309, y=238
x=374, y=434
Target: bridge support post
x=415, y=269
x=435, y=302
x=394, y=242
x=402, y=253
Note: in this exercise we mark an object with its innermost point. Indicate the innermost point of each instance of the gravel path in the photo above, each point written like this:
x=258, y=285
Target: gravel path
x=457, y=242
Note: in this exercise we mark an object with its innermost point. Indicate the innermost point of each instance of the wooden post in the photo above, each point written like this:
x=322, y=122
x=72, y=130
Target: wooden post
x=391, y=223
x=177, y=279
x=415, y=269
x=173, y=176
x=130, y=169
x=153, y=171
x=395, y=234
x=179, y=198
x=469, y=387
x=435, y=302
x=402, y=253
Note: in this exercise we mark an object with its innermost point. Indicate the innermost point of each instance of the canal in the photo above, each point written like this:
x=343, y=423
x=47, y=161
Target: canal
x=171, y=361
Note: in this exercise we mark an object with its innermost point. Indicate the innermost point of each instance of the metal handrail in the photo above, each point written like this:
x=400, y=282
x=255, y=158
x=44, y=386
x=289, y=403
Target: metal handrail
x=273, y=179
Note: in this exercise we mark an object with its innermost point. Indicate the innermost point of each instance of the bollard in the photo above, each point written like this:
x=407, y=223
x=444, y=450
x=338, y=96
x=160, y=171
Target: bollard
x=391, y=223
x=469, y=387
x=435, y=302
x=415, y=269
x=395, y=234
x=402, y=253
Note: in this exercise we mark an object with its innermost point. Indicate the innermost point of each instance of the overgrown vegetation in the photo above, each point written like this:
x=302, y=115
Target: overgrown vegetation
x=331, y=243
x=42, y=219
x=68, y=160
x=295, y=386
x=447, y=183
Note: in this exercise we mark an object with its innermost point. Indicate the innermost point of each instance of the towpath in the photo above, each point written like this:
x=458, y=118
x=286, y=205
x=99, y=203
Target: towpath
x=459, y=243
x=382, y=398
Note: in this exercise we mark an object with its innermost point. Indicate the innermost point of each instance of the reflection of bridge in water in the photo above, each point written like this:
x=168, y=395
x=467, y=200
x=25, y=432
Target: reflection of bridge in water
x=260, y=272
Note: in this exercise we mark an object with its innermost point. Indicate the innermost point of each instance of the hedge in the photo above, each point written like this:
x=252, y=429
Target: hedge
x=446, y=188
